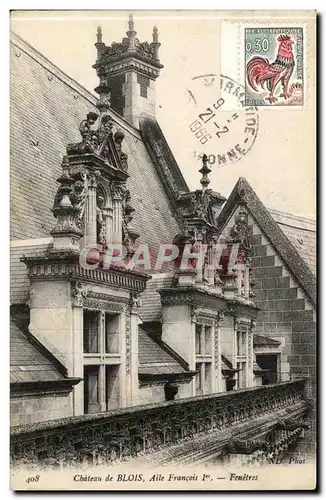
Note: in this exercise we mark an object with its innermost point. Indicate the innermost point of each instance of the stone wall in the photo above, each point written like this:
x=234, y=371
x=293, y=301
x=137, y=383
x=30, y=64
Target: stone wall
x=39, y=408
x=151, y=394
x=288, y=316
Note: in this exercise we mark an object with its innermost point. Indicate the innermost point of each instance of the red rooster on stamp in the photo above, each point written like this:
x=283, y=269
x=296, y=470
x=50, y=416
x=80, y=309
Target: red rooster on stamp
x=261, y=72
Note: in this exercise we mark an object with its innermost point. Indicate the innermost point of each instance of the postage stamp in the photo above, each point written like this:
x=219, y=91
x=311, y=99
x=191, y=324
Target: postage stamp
x=274, y=66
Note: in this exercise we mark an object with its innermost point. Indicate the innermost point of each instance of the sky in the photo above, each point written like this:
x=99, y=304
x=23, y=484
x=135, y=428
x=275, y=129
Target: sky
x=196, y=48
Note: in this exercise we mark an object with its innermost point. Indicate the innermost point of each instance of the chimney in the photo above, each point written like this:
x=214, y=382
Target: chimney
x=127, y=71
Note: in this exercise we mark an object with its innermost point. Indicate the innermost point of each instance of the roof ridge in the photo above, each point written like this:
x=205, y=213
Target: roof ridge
x=41, y=59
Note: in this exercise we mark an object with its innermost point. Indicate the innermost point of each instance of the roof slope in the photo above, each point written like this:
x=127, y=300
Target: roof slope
x=301, y=232
x=273, y=231
x=154, y=359
x=27, y=363
x=46, y=109
x=151, y=306
x=19, y=281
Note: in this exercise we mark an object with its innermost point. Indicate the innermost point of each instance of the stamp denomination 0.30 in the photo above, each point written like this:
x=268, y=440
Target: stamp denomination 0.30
x=274, y=66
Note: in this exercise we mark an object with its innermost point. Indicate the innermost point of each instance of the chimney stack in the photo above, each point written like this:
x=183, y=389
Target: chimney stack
x=127, y=71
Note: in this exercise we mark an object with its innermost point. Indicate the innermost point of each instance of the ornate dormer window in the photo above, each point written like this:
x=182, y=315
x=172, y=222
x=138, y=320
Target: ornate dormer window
x=93, y=204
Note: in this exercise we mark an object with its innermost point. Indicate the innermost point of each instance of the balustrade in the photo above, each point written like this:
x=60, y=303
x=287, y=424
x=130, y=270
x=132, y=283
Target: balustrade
x=122, y=434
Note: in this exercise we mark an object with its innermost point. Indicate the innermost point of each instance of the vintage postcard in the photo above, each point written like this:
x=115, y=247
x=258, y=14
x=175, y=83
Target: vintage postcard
x=163, y=250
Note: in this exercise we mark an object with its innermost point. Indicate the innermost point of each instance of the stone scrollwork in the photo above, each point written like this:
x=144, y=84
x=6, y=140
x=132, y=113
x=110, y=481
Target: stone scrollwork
x=135, y=302
x=100, y=141
x=78, y=293
x=194, y=314
x=128, y=343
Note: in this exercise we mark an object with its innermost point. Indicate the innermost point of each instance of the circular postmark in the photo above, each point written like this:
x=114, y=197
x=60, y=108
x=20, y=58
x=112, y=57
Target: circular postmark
x=223, y=127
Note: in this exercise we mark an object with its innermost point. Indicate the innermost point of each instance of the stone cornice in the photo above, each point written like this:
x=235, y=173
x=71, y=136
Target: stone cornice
x=199, y=298
x=128, y=62
x=161, y=378
x=47, y=268
x=43, y=387
x=92, y=162
x=193, y=296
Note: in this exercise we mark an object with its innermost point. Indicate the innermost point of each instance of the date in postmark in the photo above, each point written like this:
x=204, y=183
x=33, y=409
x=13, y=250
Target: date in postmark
x=225, y=129
x=274, y=66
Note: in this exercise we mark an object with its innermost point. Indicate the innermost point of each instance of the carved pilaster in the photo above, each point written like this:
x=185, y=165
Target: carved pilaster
x=128, y=343
x=91, y=209
x=218, y=352
x=118, y=190
x=251, y=331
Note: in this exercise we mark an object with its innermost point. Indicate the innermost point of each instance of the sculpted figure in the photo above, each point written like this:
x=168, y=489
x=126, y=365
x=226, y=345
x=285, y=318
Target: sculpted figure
x=85, y=126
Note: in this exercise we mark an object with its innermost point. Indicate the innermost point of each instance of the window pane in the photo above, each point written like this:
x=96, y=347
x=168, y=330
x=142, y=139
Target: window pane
x=208, y=339
x=198, y=335
x=91, y=327
x=208, y=377
x=111, y=333
x=91, y=389
x=199, y=382
x=112, y=387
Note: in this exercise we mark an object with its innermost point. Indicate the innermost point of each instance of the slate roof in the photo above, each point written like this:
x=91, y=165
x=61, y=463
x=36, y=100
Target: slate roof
x=19, y=282
x=47, y=107
x=154, y=359
x=27, y=363
x=301, y=231
x=151, y=307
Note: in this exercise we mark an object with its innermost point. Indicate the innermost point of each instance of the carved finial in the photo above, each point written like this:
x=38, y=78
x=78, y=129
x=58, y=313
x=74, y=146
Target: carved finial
x=131, y=33
x=205, y=170
x=156, y=44
x=131, y=25
x=99, y=34
x=155, y=34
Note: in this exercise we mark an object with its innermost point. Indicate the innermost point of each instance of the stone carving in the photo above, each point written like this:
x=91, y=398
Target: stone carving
x=128, y=343
x=199, y=203
x=129, y=234
x=240, y=232
x=217, y=354
x=100, y=222
x=103, y=305
x=118, y=138
x=118, y=190
x=107, y=439
x=78, y=198
x=63, y=210
x=106, y=296
x=99, y=141
x=78, y=293
x=135, y=301
x=194, y=314
x=85, y=127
